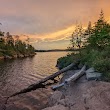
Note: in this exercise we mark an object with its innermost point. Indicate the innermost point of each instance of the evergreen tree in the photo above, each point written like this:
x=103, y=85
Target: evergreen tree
x=76, y=39
x=14, y=46
x=88, y=31
x=100, y=36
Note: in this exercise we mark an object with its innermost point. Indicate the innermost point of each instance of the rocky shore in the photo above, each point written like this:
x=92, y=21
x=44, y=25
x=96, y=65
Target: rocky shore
x=80, y=95
x=16, y=56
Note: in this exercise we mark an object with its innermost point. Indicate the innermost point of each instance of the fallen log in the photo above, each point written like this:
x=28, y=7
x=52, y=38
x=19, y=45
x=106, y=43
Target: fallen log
x=41, y=83
x=72, y=78
x=58, y=86
x=76, y=75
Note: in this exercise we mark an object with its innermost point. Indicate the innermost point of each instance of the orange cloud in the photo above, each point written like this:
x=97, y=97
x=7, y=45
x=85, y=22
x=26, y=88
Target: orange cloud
x=63, y=34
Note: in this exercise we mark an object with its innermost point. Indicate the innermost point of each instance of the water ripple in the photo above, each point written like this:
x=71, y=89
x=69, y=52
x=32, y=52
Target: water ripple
x=20, y=73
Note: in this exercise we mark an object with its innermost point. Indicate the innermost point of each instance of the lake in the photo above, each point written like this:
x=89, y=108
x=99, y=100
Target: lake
x=20, y=73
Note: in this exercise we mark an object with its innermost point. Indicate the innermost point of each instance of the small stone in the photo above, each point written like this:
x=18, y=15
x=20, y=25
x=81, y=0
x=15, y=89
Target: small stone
x=93, y=76
x=56, y=107
x=57, y=95
x=90, y=70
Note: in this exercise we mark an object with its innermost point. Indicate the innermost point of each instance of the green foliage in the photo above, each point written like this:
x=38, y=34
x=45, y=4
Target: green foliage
x=100, y=60
x=65, y=61
x=100, y=37
x=77, y=36
x=96, y=52
x=11, y=47
x=2, y=43
x=1, y=33
x=89, y=29
x=1, y=54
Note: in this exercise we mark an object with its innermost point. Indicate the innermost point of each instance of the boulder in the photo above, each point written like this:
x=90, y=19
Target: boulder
x=20, y=56
x=57, y=107
x=90, y=70
x=93, y=76
x=57, y=95
x=1, y=57
x=80, y=65
x=7, y=57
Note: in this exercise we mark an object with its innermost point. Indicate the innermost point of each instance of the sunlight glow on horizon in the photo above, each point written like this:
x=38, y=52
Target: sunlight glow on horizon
x=50, y=21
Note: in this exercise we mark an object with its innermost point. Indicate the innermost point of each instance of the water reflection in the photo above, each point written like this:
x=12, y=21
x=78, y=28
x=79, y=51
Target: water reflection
x=20, y=73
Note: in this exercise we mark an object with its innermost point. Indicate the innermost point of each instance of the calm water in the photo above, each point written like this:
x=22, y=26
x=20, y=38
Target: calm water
x=18, y=74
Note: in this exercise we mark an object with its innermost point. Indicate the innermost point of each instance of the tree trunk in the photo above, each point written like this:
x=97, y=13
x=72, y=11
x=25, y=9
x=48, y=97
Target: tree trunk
x=76, y=75
x=72, y=78
x=41, y=83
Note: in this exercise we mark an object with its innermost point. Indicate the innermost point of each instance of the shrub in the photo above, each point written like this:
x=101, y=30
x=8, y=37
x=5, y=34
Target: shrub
x=100, y=60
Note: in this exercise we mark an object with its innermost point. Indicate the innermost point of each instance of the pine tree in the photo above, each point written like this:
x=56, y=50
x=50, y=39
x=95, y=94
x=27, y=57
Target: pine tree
x=100, y=34
x=101, y=15
x=88, y=31
x=77, y=37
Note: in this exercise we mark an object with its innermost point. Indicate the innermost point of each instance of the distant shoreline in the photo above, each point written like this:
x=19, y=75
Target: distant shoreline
x=4, y=57
x=56, y=50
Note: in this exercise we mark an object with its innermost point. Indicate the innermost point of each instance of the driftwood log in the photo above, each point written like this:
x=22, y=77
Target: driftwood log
x=76, y=75
x=41, y=83
x=71, y=79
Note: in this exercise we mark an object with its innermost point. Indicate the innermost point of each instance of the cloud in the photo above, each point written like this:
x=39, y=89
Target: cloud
x=63, y=34
x=49, y=20
x=45, y=16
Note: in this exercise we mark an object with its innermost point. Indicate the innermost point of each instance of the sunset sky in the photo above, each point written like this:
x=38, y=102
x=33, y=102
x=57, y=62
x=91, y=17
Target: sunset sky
x=49, y=23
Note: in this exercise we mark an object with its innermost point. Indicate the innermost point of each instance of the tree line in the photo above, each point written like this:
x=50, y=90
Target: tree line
x=13, y=46
x=93, y=44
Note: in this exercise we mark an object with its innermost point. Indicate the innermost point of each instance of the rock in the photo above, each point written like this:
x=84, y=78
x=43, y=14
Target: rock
x=7, y=57
x=26, y=55
x=57, y=107
x=57, y=95
x=80, y=65
x=90, y=70
x=14, y=56
x=32, y=54
x=20, y=56
x=14, y=107
x=2, y=107
x=1, y=57
x=93, y=76
x=67, y=102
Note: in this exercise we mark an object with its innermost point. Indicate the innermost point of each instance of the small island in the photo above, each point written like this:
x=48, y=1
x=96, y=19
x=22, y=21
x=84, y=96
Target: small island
x=12, y=47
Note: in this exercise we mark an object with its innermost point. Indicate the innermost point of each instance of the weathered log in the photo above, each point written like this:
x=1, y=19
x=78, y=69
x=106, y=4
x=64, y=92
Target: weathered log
x=41, y=83
x=58, y=86
x=76, y=75
x=72, y=78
